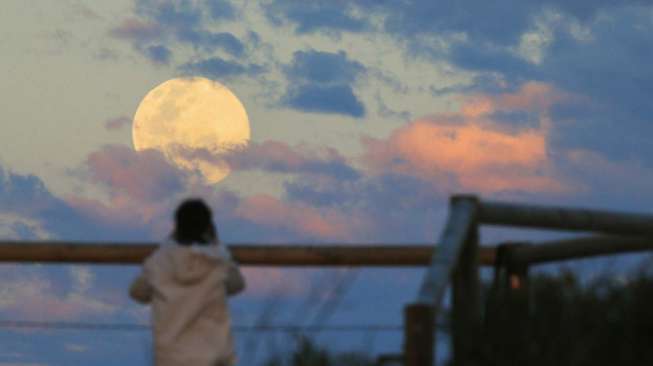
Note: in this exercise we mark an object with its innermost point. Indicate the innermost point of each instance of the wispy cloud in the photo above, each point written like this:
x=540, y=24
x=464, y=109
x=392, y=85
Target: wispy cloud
x=117, y=123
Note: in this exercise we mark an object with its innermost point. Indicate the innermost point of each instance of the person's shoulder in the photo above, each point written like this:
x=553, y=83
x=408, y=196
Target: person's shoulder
x=163, y=250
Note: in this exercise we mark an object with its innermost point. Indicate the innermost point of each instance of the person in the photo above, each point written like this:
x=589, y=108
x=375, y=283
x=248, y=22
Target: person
x=187, y=281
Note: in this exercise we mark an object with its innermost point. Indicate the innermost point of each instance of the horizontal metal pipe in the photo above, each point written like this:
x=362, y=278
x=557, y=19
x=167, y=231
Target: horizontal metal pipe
x=385, y=255
x=578, y=248
x=548, y=217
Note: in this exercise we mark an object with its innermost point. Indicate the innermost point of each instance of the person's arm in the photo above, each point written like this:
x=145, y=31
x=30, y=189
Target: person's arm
x=235, y=281
x=140, y=290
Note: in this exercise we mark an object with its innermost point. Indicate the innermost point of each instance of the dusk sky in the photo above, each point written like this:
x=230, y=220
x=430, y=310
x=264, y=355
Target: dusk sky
x=365, y=116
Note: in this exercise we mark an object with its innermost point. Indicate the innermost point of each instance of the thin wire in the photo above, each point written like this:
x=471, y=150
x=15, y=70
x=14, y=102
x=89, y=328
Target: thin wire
x=8, y=324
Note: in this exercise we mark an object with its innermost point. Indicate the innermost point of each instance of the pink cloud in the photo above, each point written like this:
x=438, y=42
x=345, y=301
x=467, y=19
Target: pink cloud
x=323, y=224
x=277, y=157
x=469, y=151
x=532, y=96
x=143, y=175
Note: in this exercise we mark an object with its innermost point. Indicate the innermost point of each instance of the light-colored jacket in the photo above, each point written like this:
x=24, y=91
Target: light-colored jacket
x=188, y=288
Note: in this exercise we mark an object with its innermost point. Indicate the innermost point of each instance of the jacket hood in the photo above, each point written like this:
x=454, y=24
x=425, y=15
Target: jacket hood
x=191, y=264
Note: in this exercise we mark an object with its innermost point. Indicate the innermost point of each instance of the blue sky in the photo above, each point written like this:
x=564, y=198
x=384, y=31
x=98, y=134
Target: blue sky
x=365, y=117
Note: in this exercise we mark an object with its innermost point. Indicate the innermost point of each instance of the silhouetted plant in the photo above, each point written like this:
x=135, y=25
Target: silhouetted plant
x=606, y=322
x=307, y=353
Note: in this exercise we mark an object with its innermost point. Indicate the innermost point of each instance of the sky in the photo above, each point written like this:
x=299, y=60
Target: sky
x=365, y=117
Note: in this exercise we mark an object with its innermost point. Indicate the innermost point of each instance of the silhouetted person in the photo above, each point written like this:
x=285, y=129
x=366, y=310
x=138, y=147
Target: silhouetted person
x=187, y=281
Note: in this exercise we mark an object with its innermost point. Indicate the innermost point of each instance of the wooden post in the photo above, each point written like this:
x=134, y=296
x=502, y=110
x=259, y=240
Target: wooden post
x=508, y=315
x=419, y=337
x=466, y=309
x=460, y=227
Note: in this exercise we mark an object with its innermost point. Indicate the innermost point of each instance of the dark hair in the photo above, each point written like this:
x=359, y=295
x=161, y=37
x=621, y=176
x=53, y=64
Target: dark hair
x=193, y=223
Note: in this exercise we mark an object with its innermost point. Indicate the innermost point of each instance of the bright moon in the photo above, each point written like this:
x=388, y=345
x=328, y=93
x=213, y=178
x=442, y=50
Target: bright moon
x=191, y=113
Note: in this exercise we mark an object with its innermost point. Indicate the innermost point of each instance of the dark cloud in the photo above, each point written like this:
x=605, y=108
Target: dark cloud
x=337, y=99
x=221, y=9
x=211, y=41
x=499, y=22
x=316, y=16
x=158, y=54
x=218, y=68
x=490, y=59
x=27, y=196
x=323, y=67
x=322, y=82
x=160, y=26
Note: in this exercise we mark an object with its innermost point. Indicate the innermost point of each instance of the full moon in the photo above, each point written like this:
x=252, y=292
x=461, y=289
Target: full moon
x=186, y=114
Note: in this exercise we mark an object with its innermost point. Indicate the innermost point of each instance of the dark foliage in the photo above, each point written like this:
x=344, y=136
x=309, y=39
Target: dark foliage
x=307, y=353
x=562, y=322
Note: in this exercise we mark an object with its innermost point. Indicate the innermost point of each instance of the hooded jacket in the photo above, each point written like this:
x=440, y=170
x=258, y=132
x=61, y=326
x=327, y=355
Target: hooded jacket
x=188, y=288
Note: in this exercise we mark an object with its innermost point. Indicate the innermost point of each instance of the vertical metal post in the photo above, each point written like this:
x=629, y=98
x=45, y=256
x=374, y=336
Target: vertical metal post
x=466, y=304
x=517, y=301
x=419, y=337
x=507, y=316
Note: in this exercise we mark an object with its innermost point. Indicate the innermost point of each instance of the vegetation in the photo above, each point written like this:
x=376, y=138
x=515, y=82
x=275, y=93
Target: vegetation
x=608, y=321
x=308, y=353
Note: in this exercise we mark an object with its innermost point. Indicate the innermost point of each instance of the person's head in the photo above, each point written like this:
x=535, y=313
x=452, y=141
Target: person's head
x=194, y=223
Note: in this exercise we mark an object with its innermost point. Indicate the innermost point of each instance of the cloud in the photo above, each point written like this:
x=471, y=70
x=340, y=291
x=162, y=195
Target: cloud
x=304, y=220
x=420, y=19
x=219, y=68
x=158, y=54
x=608, y=182
x=30, y=210
x=32, y=294
x=323, y=67
x=277, y=157
x=316, y=16
x=595, y=50
x=221, y=9
x=144, y=175
x=142, y=189
x=210, y=41
x=117, y=123
x=171, y=14
x=16, y=227
x=472, y=152
x=137, y=30
x=337, y=99
x=322, y=82
x=158, y=27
